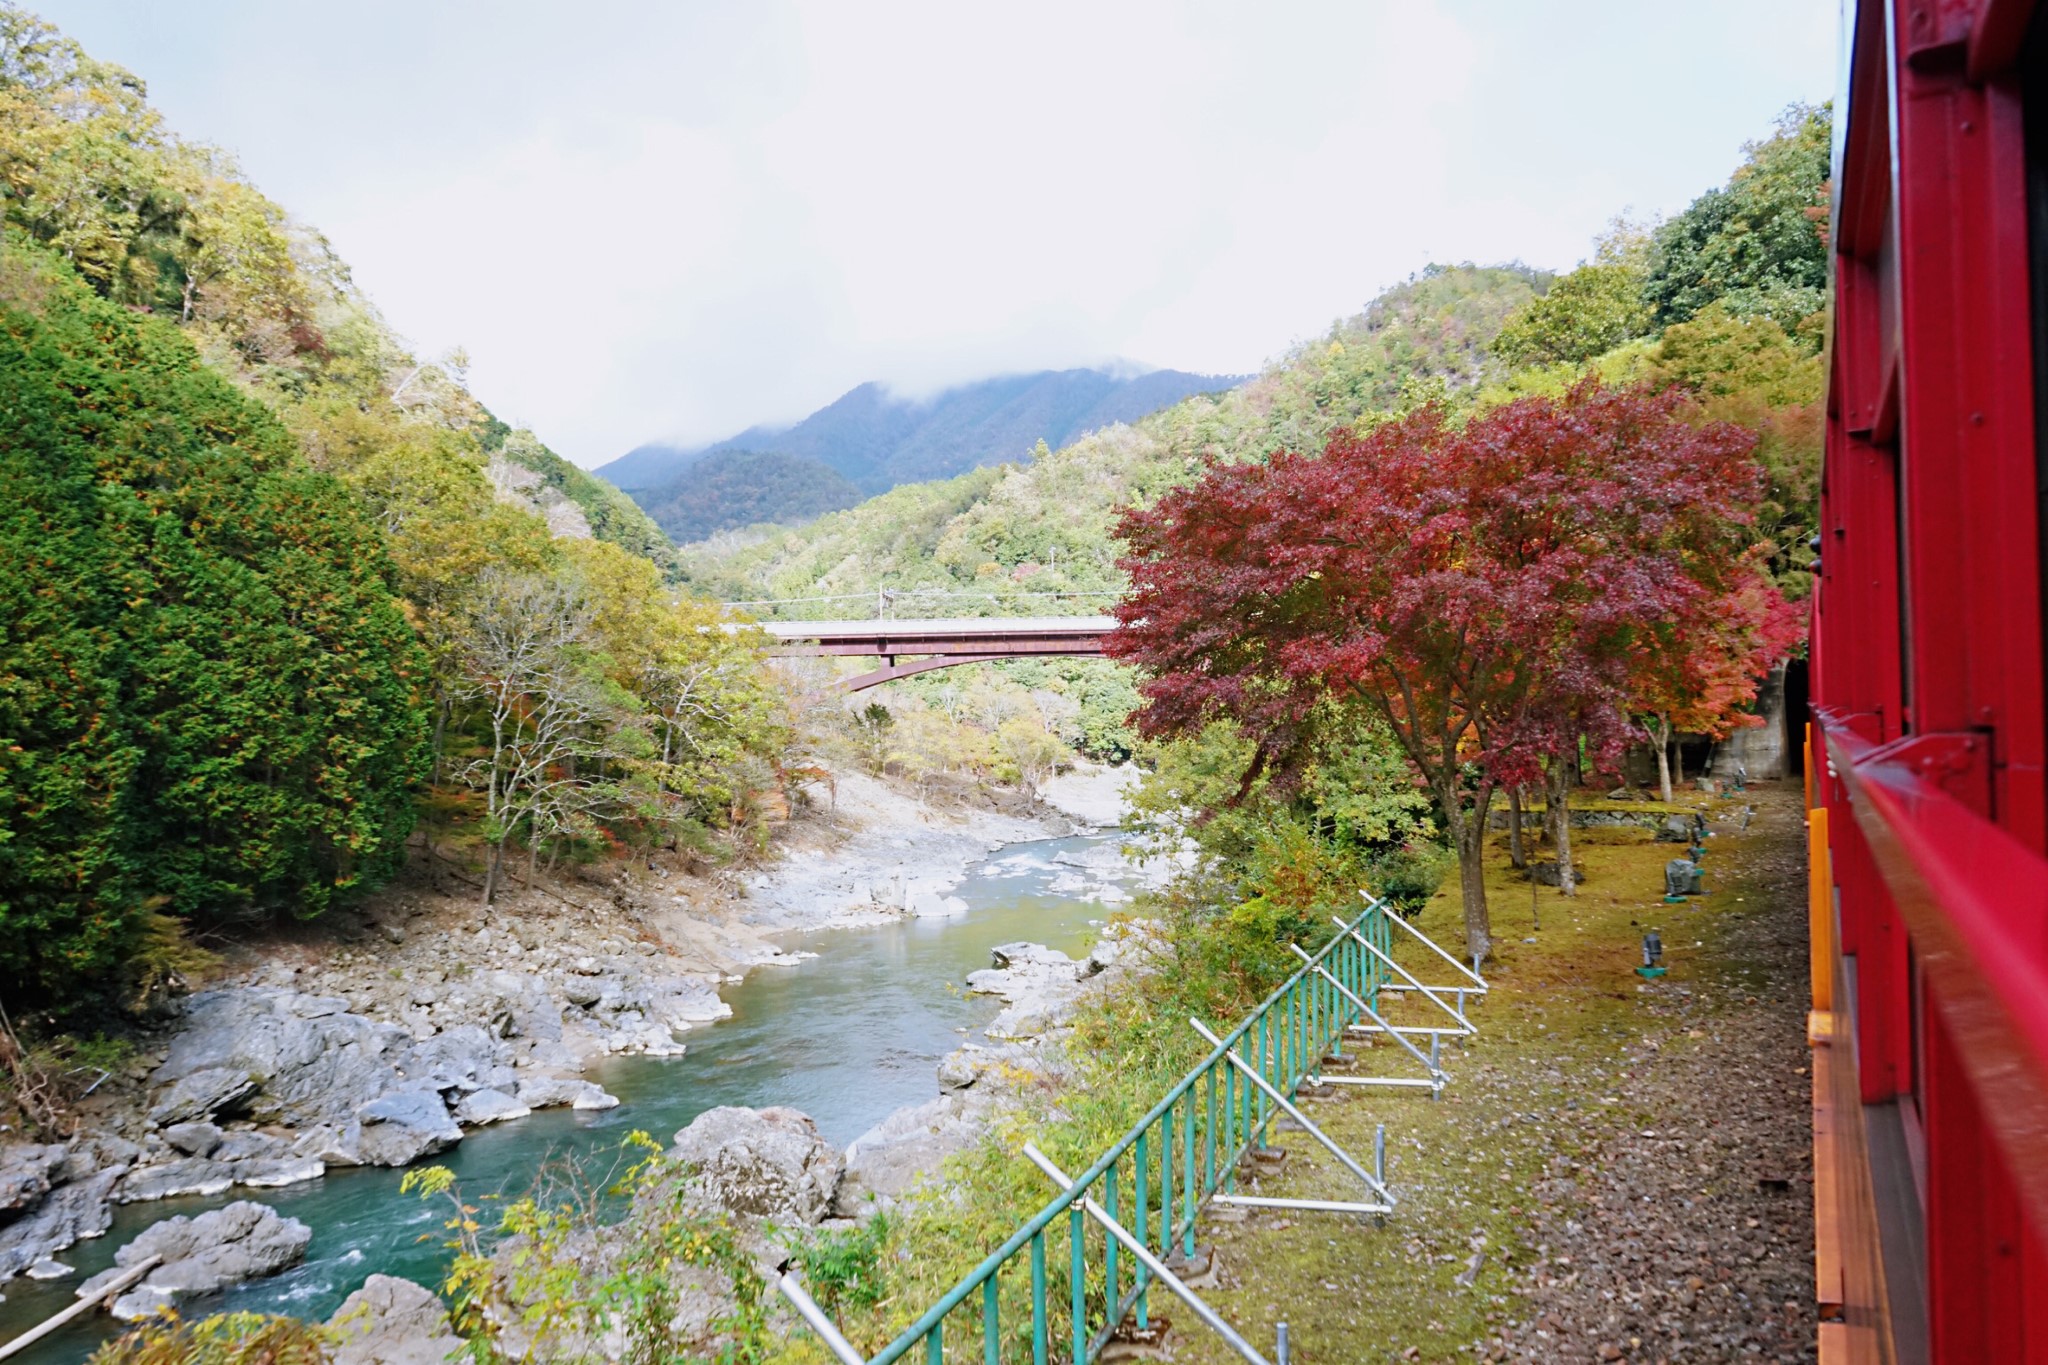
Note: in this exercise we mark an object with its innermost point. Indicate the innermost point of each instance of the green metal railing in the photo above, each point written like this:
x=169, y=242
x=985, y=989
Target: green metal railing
x=1155, y=1180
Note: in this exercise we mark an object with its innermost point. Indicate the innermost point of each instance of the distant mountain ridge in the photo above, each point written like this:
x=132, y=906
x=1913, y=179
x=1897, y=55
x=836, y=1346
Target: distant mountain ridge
x=1007, y=541
x=877, y=440
x=726, y=489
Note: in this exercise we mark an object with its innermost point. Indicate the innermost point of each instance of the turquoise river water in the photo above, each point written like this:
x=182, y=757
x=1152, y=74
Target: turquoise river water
x=846, y=1036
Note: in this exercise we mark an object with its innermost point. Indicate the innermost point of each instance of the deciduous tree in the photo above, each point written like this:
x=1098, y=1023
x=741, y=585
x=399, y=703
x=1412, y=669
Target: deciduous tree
x=1460, y=582
x=1699, y=674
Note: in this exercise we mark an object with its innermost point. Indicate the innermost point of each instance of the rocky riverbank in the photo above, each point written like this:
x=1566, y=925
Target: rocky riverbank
x=380, y=1039
x=767, y=1168
x=881, y=853
x=774, y=1175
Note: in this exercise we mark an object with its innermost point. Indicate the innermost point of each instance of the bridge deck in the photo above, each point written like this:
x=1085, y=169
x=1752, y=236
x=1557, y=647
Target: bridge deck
x=960, y=638
x=941, y=627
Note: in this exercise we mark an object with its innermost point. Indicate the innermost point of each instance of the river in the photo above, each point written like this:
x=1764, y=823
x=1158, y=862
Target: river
x=846, y=1036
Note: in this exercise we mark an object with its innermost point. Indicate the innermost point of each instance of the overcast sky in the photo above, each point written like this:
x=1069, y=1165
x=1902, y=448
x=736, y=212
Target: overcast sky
x=673, y=220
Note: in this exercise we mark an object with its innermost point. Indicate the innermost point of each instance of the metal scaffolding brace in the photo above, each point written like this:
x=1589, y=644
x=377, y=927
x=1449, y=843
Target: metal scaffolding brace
x=1158, y=1269
x=1449, y=999
x=1374, y=1180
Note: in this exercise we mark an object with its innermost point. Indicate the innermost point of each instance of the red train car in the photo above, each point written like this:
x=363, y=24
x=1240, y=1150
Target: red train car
x=1925, y=765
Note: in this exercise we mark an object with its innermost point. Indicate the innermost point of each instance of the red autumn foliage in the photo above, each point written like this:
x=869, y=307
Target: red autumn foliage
x=1486, y=588
x=1699, y=676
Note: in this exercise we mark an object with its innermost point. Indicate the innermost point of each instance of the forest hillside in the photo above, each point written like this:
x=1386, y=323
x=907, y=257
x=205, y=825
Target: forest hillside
x=275, y=592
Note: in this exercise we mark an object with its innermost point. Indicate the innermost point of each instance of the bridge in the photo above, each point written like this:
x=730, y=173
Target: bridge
x=938, y=642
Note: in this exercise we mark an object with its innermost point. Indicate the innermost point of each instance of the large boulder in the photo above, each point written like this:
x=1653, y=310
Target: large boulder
x=197, y=1096
x=265, y=1173
x=304, y=1060
x=768, y=1162
x=199, y=1255
x=68, y=1214
x=390, y=1321
x=904, y=1150
x=489, y=1106
x=281, y=1055
x=531, y=1018
x=245, y=1146
x=1039, y=986
x=1000, y=1066
x=194, y=1138
x=464, y=1059
x=400, y=1128
x=546, y=1092
x=26, y=1169
x=93, y=1151
x=187, y=1175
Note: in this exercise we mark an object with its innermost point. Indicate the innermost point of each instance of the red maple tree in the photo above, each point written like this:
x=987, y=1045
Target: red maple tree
x=1699, y=675
x=1484, y=587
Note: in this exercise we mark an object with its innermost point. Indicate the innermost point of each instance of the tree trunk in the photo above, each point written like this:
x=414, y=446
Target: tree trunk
x=440, y=730
x=1560, y=813
x=1517, y=854
x=1677, y=761
x=491, y=870
x=1662, y=736
x=1468, y=835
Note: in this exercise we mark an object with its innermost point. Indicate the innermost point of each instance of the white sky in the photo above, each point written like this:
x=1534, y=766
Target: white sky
x=673, y=220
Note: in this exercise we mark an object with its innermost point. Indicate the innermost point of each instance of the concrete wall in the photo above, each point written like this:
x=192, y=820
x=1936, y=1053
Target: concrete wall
x=1760, y=750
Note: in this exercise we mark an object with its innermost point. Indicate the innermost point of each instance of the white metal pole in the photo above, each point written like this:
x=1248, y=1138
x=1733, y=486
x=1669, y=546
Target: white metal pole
x=787, y=1284
x=1152, y=1263
x=1287, y=1106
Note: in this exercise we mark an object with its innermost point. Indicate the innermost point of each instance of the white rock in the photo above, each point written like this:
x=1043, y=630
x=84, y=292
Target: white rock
x=390, y=1321
x=200, y=1255
x=489, y=1106
x=767, y=1162
x=543, y=1092
x=271, y=1173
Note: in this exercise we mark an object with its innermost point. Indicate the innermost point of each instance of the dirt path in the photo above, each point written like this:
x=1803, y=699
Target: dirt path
x=1619, y=1170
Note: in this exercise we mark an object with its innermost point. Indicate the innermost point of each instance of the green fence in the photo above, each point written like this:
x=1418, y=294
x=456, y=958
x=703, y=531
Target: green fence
x=1155, y=1180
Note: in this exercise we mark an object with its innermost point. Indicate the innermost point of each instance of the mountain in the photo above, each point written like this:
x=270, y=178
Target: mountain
x=731, y=488
x=1011, y=540
x=877, y=439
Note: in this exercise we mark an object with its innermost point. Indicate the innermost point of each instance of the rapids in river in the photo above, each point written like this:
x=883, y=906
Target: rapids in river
x=847, y=1036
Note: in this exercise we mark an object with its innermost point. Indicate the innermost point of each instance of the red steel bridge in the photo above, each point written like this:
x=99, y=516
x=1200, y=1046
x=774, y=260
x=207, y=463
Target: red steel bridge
x=917, y=646
x=1928, y=761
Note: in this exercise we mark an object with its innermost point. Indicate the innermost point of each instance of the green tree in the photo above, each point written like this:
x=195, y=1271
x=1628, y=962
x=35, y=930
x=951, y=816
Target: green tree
x=209, y=696
x=1759, y=244
x=1357, y=818
x=1749, y=371
x=1593, y=309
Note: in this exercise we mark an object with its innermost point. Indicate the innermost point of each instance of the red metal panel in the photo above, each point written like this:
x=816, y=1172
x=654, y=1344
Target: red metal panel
x=1863, y=182
x=1966, y=411
x=1928, y=644
x=1983, y=1263
x=1996, y=32
x=1976, y=903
